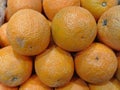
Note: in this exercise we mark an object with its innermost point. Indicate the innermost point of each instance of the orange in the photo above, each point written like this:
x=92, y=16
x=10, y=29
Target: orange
x=3, y=87
x=98, y=7
x=14, y=6
x=28, y=32
x=33, y=83
x=3, y=36
x=109, y=28
x=118, y=68
x=14, y=68
x=74, y=84
x=54, y=67
x=113, y=84
x=73, y=28
x=51, y=7
x=96, y=64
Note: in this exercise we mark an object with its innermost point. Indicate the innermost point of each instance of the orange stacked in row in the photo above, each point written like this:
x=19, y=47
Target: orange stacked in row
x=60, y=45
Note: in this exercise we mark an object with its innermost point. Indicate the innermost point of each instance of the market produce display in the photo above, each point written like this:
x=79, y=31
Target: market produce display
x=59, y=44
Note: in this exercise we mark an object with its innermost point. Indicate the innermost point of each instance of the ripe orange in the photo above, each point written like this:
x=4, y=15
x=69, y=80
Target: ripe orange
x=109, y=28
x=3, y=36
x=14, y=6
x=98, y=7
x=14, y=68
x=28, y=32
x=96, y=64
x=54, y=67
x=51, y=7
x=113, y=84
x=3, y=87
x=74, y=84
x=73, y=28
x=33, y=83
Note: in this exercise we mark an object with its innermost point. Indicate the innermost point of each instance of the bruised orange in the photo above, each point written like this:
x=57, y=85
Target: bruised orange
x=109, y=28
x=28, y=32
x=14, y=68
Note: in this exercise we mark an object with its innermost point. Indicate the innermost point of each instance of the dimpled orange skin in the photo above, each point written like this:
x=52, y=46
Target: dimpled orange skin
x=3, y=36
x=98, y=7
x=33, y=83
x=109, y=28
x=96, y=64
x=74, y=84
x=54, y=67
x=14, y=68
x=74, y=28
x=28, y=32
x=51, y=7
x=112, y=84
x=14, y=6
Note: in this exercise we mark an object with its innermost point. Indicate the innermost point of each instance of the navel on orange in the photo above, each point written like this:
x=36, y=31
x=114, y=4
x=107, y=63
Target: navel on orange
x=109, y=28
x=96, y=64
x=98, y=7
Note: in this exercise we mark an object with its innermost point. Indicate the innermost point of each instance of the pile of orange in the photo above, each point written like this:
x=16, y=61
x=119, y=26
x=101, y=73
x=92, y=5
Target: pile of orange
x=60, y=45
